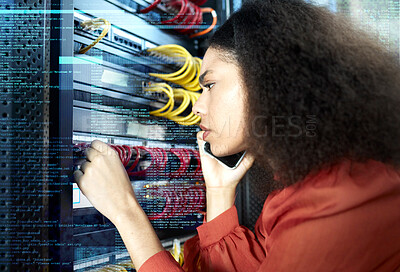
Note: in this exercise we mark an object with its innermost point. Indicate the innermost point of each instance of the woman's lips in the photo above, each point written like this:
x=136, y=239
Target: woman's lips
x=206, y=132
x=203, y=127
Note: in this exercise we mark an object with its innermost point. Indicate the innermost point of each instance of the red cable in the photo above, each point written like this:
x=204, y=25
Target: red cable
x=197, y=20
x=135, y=162
x=179, y=14
x=183, y=163
x=199, y=2
x=150, y=167
x=151, y=7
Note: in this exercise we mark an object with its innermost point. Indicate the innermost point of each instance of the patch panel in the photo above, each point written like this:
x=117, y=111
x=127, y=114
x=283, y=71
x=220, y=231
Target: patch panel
x=127, y=40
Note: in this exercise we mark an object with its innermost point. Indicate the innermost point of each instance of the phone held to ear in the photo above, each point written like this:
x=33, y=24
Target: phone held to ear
x=231, y=161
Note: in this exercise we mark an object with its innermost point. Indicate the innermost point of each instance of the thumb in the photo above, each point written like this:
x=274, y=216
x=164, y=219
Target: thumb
x=200, y=141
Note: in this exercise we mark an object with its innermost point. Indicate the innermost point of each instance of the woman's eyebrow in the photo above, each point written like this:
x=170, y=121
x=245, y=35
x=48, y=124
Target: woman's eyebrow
x=201, y=77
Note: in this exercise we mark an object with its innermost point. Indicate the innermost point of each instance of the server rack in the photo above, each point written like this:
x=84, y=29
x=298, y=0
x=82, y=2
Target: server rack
x=52, y=98
x=109, y=104
x=107, y=87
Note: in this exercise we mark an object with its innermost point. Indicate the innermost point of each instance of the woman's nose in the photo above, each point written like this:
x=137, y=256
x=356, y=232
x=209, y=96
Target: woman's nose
x=199, y=108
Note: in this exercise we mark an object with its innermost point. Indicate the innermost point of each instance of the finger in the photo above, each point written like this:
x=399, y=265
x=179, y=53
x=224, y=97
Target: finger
x=91, y=153
x=77, y=176
x=99, y=146
x=79, y=162
x=200, y=141
x=85, y=166
x=247, y=161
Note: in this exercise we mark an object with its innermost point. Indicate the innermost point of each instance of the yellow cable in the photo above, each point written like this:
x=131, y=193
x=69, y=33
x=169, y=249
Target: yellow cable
x=188, y=75
x=167, y=110
x=180, y=93
x=163, y=87
x=95, y=24
x=191, y=119
x=127, y=265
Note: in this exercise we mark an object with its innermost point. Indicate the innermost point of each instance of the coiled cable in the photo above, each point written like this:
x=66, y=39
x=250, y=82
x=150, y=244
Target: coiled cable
x=187, y=16
x=167, y=111
x=188, y=75
x=93, y=25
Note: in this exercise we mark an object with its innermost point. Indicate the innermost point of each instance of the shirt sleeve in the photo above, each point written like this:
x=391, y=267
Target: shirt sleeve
x=223, y=245
x=161, y=262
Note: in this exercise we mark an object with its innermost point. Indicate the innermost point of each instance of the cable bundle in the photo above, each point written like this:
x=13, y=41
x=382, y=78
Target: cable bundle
x=93, y=25
x=187, y=16
x=167, y=111
x=177, y=251
x=179, y=201
x=112, y=267
x=160, y=159
x=199, y=2
x=188, y=75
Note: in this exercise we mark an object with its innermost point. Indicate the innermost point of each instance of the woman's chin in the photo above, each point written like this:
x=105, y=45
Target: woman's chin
x=222, y=151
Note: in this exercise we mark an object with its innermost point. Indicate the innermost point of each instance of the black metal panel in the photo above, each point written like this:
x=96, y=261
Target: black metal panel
x=251, y=194
x=24, y=137
x=60, y=161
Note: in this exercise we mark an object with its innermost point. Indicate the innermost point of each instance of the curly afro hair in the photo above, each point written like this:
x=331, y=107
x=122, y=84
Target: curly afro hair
x=319, y=89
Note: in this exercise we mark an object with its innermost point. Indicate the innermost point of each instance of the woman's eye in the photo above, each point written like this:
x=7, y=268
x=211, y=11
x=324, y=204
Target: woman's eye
x=209, y=86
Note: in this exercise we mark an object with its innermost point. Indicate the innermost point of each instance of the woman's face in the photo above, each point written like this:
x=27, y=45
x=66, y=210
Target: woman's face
x=221, y=105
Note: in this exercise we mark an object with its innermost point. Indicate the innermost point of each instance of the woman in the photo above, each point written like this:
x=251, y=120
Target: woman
x=315, y=101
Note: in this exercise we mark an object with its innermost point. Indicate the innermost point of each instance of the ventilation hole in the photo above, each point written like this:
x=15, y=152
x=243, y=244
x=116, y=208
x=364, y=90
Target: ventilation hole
x=4, y=127
x=5, y=115
x=3, y=152
x=4, y=165
x=3, y=177
x=5, y=103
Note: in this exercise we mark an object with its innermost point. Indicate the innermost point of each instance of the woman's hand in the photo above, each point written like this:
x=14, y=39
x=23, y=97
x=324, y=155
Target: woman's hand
x=104, y=181
x=218, y=177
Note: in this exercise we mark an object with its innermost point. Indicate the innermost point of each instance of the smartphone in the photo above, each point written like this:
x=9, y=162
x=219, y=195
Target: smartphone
x=231, y=161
